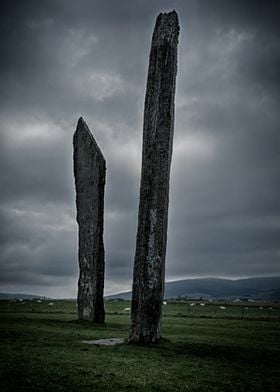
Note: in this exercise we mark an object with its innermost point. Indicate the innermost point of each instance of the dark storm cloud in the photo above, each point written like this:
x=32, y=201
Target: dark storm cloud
x=35, y=168
x=37, y=249
x=64, y=59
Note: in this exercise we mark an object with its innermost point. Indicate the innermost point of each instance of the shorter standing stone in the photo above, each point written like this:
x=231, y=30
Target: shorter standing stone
x=89, y=172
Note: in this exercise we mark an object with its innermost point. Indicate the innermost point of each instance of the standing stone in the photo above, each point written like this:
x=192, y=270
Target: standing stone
x=149, y=263
x=89, y=172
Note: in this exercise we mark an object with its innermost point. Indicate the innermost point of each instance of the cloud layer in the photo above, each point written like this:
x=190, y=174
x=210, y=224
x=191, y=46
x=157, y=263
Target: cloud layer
x=63, y=60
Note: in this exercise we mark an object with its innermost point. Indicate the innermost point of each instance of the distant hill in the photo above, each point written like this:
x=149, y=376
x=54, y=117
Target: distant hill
x=20, y=296
x=267, y=289
x=216, y=288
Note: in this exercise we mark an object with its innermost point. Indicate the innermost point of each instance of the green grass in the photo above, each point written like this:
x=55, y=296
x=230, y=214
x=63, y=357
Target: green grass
x=203, y=350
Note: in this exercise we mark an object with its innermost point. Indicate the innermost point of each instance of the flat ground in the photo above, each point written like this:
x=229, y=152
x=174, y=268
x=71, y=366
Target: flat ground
x=205, y=348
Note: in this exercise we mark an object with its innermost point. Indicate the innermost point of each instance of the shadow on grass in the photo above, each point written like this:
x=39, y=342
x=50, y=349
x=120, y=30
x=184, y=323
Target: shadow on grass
x=254, y=356
x=230, y=354
x=47, y=321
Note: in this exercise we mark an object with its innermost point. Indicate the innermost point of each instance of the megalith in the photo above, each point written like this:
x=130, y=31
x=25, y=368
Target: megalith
x=89, y=173
x=149, y=262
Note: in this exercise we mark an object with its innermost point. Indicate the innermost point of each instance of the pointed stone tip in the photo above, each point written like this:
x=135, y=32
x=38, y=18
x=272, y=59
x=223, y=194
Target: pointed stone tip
x=81, y=121
x=82, y=126
x=83, y=129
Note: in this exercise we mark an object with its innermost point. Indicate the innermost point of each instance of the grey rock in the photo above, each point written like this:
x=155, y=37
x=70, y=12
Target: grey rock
x=105, y=342
x=89, y=172
x=149, y=262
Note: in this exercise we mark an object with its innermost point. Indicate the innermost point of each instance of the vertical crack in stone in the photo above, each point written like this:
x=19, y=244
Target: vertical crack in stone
x=89, y=173
x=149, y=262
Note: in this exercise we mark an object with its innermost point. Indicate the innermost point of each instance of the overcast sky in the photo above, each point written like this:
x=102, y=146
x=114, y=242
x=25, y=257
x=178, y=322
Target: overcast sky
x=63, y=59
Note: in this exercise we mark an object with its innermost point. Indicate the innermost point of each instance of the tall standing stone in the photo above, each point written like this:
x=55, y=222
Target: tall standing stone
x=149, y=262
x=89, y=172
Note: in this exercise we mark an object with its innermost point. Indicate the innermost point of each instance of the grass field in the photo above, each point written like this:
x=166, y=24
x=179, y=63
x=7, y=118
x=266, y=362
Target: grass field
x=205, y=348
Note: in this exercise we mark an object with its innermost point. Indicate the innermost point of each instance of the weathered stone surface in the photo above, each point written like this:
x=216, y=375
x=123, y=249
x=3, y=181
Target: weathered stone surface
x=149, y=263
x=105, y=342
x=89, y=172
